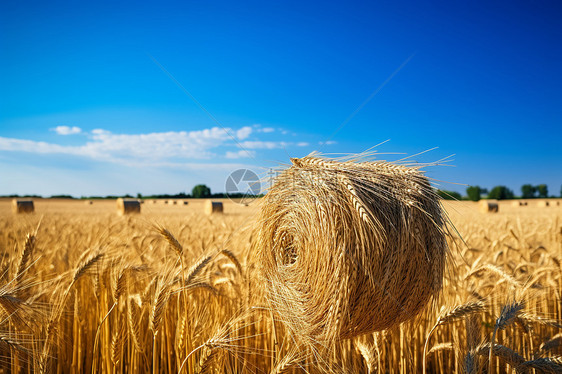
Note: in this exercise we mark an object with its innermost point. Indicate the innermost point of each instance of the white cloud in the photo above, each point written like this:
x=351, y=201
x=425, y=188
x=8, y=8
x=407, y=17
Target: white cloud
x=148, y=149
x=239, y=154
x=258, y=144
x=267, y=129
x=158, y=149
x=329, y=142
x=244, y=132
x=66, y=130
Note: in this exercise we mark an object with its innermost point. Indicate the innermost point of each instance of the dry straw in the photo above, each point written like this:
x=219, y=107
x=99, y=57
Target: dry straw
x=349, y=247
x=22, y=206
x=489, y=206
x=212, y=207
x=127, y=206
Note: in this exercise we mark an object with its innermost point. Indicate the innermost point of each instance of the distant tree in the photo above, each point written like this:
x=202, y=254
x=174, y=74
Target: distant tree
x=500, y=193
x=473, y=193
x=201, y=191
x=528, y=191
x=449, y=195
x=139, y=195
x=543, y=190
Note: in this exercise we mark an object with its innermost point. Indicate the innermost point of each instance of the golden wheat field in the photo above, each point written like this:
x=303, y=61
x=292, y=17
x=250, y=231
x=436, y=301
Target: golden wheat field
x=173, y=289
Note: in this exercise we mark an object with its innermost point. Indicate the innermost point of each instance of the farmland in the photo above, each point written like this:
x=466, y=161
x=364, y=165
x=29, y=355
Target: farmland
x=86, y=290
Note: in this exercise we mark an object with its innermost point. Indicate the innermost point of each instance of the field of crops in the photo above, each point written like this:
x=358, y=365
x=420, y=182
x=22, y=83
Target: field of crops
x=172, y=289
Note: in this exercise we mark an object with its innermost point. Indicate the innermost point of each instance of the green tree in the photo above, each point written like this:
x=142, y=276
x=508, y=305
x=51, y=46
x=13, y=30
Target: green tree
x=528, y=191
x=500, y=193
x=473, y=193
x=543, y=190
x=449, y=195
x=201, y=191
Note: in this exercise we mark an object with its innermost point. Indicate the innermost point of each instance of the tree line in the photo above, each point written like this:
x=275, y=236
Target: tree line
x=200, y=191
x=475, y=193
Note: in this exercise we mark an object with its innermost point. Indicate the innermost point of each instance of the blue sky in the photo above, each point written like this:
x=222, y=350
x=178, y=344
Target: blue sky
x=85, y=107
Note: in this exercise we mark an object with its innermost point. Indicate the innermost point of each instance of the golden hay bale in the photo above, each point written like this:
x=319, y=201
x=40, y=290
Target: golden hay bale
x=174, y=202
x=543, y=204
x=488, y=206
x=185, y=202
x=213, y=207
x=88, y=202
x=22, y=206
x=127, y=206
x=348, y=248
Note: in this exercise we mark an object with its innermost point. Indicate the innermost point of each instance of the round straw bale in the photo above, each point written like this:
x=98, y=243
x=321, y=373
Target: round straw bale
x=488, y=206
x=88, y=202
x=347, y=247
x=185, y=202
x=175, y=202
x=127, y=206
x=213, y=207
x=543, y=204
x=22, y=206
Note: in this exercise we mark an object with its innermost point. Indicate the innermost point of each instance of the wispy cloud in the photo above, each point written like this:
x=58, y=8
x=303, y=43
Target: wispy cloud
x=163, y=148
x=244, y=132
x=259, y=144
x=66, y=130
x=239, y=154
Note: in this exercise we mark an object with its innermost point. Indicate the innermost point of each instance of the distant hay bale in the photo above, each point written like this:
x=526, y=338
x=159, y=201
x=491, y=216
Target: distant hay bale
x=348, y=248
x=88, y=202
x=154, y=201
x=174, y=202
x=185, y=202
x=212, y=207
x=22, y=206
x=489, y=206
x=128, y=206
x=165, y=201
x=518, y=203
x=543, y=204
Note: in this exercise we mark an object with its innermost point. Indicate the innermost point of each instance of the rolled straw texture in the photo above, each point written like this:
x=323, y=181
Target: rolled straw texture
x=348, y=248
